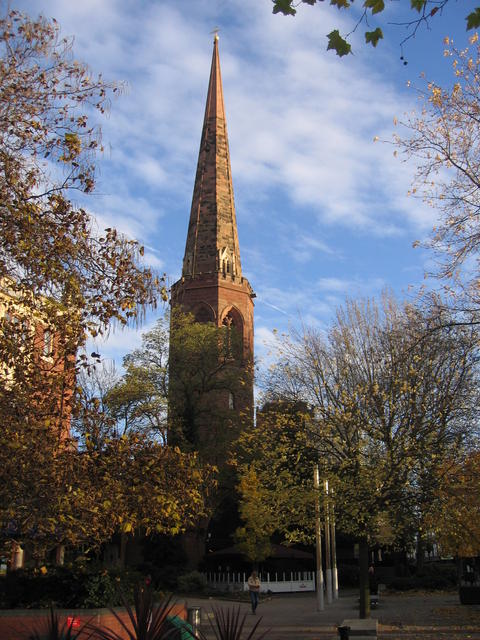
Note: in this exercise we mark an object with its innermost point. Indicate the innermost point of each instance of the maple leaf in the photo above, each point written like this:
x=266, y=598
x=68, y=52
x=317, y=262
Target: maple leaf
x=284, y=6
x=375, y=5
x=473, y=19
x=373, y=37
x=338, y=44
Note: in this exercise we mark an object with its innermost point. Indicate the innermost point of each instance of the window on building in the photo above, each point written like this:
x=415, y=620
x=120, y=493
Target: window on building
x=233, y=334
x=204, y=314
x=47, y=343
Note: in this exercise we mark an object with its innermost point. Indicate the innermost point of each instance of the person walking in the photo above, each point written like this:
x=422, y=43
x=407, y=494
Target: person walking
x=372, y=580
x=254, y=588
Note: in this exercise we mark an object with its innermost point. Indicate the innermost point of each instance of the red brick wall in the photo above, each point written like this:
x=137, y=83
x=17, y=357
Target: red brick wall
x=17, y=625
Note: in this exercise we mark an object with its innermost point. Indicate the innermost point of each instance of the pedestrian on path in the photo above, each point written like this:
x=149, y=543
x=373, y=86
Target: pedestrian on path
x=254, y=588
x=372, y=580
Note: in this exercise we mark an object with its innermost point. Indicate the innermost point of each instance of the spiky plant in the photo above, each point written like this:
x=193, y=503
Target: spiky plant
x=54, y=630
x=228, y=625
x=147, y=620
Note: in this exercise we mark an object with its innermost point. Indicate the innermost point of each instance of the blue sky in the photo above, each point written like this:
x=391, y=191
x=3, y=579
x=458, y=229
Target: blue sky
x=322, y=210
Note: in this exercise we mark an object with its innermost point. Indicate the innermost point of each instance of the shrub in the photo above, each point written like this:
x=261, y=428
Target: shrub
x=163, y=577
x=167, y=577
x=32, y=589
x=432, y=576
x=438, y=576
x=228, y=624
x=65, y=587
x=193, y=582
x=100, y=590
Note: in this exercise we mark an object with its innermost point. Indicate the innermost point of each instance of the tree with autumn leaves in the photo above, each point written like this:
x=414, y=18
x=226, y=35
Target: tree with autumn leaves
x=455, y=519
x=175, y=389
x=388, y=403
x=395, y=401
x=62, y=280
x=170, y=399
x=276, y=461
x=442, y=138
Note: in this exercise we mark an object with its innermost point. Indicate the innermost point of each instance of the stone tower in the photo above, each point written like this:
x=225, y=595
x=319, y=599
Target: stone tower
x=212, y=286
x=213, y=289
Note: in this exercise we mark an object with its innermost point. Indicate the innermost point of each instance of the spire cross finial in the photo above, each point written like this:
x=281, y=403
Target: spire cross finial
x=215, y=31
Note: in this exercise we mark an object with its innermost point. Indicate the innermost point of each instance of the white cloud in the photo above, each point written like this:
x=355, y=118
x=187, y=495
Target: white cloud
x=267, y=345
x=301, y=123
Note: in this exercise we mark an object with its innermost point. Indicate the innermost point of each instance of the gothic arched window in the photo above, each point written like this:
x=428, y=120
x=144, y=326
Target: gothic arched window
x=204, y=313
x=226, y=262
x=233, y=333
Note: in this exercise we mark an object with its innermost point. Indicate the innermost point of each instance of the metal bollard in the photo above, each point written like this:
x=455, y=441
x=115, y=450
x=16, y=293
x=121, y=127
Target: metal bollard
x=343, y=632
x=193, y=617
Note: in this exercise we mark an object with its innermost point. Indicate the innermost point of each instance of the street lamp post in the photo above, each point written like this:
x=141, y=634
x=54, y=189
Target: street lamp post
x=318, y=535
x=328, y=550
x=334, y=551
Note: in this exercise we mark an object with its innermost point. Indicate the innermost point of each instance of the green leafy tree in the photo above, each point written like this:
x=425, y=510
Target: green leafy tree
x=141, y=397
x=419, y=13
x=138, y=402
x=145, y=486
x=194, y=369
x=205, y=377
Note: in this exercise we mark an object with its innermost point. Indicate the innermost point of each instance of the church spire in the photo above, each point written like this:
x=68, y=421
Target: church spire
x=212, y=288
x=212, y=240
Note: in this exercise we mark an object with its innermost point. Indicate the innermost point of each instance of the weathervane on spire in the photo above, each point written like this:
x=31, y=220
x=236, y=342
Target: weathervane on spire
x=215, y=31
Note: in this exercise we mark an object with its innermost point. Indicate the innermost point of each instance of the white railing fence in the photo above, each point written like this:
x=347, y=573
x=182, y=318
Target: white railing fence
x=286, y=582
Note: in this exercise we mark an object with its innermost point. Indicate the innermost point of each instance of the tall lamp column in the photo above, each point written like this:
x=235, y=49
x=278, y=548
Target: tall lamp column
x=318, y=534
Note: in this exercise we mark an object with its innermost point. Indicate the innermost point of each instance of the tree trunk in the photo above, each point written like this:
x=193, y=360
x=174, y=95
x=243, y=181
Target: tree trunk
x=193, y=543
x=328, y=547
x=318, y=546
x=363, y=572
x=459, y=566
x=420, y=553
x=123, y=549
x=60, y=555
x=17, y=558
x=400, y=564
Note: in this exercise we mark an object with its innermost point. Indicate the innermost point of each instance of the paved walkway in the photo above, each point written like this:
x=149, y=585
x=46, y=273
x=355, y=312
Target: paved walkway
x=436, y=616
